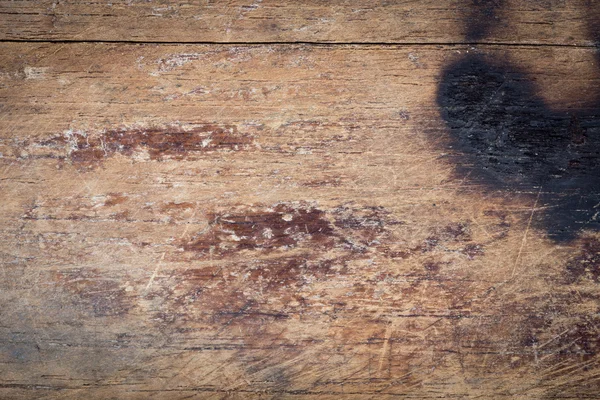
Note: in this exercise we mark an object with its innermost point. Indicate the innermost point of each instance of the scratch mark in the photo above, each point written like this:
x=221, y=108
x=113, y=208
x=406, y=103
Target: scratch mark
x=524, y=240
x=159, y=264
x=386, y=342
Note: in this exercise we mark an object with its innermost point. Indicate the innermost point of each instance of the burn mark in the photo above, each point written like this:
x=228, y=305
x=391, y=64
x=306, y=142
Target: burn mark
x=172, y=142
x=103, y=296
x=504, y=136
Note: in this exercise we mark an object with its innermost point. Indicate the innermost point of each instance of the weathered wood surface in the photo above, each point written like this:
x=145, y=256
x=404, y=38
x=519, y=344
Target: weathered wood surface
x=279, y=221
x=425, y=21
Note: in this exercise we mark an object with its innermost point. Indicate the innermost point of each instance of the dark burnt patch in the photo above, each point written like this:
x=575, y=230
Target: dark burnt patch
x=504, y=137
x=172, y=142
x=101, y=295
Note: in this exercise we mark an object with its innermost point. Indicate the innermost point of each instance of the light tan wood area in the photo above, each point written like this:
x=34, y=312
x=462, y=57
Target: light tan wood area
x=280, y=220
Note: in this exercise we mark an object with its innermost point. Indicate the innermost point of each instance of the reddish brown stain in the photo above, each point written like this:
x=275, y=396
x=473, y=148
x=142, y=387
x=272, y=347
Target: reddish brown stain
x=562, y=325
x=458, y=232
x=239, y=290
x=502, y=227
x=473, y=250
x=254, y=283
x=114, y=199
x=555, y=329
x=121, y=216
x=172, y=205
x=172, y=142
x=265, y=229
x=254, y=291
x=289, y=225
x=432, y=267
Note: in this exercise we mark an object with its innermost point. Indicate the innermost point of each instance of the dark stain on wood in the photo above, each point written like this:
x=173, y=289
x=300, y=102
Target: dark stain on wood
x=174, y=142
x=199, y=294
x=287, y=225
x=266, y=229
x=503, y=135
x=480, y=16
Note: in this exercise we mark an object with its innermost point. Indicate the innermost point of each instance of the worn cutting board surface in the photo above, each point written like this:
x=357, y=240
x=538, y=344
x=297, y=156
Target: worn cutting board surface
x=314, y=199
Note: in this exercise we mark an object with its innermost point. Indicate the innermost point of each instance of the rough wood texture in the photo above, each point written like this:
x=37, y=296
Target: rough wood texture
x=356, y=219
x=426, y=21
x=279, y=221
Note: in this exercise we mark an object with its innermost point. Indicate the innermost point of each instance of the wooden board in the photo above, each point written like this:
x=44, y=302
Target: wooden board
x=403, y=206
x=426, y=21
x=276, y=221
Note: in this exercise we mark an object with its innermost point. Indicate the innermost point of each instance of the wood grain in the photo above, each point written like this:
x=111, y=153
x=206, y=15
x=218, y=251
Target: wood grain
x=429, y=21
x=277, y=221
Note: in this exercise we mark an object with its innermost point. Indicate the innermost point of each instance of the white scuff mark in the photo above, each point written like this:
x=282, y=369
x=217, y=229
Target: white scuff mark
x=98, y=200
x=71, y=136
x=242, y=11
x=268, y=233
x=35, y=72
x=141, y=155
x=160, y=11
x=173, y=61
x=303, y=150
x=139, y=62
x=414, y=58
x=252, y=6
